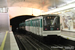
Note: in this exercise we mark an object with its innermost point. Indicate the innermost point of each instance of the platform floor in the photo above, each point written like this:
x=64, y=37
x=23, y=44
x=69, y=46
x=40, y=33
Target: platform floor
x=7, y=41
x=2, y=35
x=68, y=35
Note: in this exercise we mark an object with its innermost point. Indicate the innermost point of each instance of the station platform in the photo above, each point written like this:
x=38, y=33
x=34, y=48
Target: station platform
x=68, y=35
x=7, y=41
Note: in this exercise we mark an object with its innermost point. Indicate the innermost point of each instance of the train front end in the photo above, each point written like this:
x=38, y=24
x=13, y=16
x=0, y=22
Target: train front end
x=51, y=25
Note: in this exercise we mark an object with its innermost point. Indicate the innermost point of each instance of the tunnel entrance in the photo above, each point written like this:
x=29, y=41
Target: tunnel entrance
x=17, y=20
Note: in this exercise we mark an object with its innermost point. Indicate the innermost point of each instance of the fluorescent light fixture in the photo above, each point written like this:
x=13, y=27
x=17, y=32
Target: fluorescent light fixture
x=61, y=8
x=70, y=1
x=62, y=12
x=67, y=10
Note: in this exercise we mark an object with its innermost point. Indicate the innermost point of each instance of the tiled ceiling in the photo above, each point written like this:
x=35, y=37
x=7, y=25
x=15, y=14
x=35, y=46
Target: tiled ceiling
x=38, y=4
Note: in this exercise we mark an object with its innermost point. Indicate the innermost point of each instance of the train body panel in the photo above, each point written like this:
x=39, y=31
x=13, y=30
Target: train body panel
x=27, y=28
x=45, y=33
x=22, y=26
x=43, y=26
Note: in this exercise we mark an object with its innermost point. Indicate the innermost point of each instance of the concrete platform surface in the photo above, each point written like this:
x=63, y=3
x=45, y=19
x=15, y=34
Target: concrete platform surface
x=2, y=35
x=7, y=41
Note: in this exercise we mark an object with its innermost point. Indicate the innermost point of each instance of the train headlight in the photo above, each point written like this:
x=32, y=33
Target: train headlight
x=45, y=28
x=57, y=28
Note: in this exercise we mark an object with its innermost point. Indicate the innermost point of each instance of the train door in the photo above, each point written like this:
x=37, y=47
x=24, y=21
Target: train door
x=34, y=26
x=28, y=26
x=37, y=27
x=40, y=26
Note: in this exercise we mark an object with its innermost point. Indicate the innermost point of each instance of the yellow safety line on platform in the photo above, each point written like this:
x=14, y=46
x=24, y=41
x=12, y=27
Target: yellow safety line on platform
x=2, y=45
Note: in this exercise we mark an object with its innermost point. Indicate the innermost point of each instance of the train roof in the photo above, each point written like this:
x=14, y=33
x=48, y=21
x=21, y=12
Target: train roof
x=49, y=14
x=40, y=16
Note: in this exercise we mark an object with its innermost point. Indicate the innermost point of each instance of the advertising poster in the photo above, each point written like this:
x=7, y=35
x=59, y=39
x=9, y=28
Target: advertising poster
x=73, y=14
x=73, y=24
x=65, y=22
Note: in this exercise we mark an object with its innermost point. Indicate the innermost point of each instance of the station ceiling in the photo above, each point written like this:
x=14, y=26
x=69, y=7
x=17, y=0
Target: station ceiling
x=38, y=4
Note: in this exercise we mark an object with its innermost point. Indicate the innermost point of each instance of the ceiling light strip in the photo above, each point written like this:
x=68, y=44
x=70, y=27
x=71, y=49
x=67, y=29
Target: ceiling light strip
x=61, y=8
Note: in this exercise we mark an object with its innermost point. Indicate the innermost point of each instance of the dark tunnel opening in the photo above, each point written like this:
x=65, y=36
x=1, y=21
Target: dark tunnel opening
x=17, y=20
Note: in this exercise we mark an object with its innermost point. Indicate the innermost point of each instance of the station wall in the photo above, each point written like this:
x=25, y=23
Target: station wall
x=4, y=22
x=17, y=11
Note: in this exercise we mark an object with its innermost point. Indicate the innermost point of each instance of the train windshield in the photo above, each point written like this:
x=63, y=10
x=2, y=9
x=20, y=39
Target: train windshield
x=51, y=23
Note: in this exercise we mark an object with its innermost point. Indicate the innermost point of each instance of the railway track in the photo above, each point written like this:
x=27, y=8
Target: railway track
x=45, y=47
x=53, y=46
x=29, y=43
x=35, y=45
x=20, y=44
x=26, y=44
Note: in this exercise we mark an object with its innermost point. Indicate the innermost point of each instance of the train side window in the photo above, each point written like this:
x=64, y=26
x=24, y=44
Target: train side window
x=37, y=23
x=32, y=23
x=40, y=22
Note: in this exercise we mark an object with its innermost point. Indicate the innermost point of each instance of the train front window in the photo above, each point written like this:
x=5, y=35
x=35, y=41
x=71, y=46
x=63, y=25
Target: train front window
x=51, y=23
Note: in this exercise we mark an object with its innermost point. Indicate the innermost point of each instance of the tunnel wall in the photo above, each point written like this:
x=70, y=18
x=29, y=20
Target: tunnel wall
x=4, y=22
x=16, y=11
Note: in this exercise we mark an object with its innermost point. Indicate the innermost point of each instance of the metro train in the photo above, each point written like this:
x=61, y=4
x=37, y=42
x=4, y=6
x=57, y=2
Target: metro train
x=44, y=26
x=22, y=25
